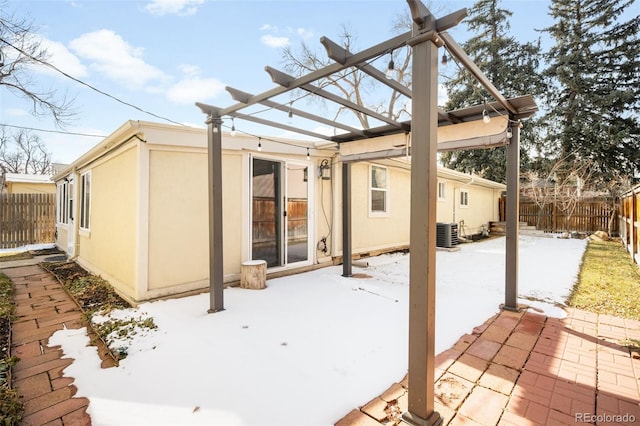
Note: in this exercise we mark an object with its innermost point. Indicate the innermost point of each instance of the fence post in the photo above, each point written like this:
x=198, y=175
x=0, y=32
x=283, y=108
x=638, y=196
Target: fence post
x=634, y=225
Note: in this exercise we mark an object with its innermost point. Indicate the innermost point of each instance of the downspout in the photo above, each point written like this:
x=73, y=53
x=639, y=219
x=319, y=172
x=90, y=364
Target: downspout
x=75, y=211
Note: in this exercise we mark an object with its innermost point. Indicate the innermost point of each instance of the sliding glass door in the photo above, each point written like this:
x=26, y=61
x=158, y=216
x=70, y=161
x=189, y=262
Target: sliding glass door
x=279, y=211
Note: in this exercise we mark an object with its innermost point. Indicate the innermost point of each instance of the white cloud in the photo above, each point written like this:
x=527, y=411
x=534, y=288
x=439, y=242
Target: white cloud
x=274, y=41
x=173, y=7
x=269, y=27
x=304, y=33
x=194, y=89
x=189, y=70
x=115, y=58
x=63, y=59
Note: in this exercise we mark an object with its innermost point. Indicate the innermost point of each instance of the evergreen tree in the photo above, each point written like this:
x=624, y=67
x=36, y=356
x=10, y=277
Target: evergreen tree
x=594, y=75
x=511, y=66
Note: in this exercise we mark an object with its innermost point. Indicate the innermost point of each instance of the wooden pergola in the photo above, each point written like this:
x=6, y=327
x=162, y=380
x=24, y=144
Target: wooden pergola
x=426, y=136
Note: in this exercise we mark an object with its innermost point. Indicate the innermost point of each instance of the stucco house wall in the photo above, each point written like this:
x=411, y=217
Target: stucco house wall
x=148, y=207
x=481, y=201
x=138, y=206
x=108, y=246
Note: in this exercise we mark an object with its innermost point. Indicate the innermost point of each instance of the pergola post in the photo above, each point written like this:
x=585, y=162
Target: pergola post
x=513, y=219
x=216, y=273
x=346, y=220
x=422, y=263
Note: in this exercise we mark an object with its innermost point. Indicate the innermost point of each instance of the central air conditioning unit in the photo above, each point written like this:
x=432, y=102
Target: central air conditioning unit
x=446, y=235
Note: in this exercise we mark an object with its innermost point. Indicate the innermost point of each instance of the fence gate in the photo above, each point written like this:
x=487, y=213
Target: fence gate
x=26, y=219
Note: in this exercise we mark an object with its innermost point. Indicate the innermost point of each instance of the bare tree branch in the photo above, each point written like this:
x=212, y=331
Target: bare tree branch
x=20, y=53
x=353, y=84
x=23, y=152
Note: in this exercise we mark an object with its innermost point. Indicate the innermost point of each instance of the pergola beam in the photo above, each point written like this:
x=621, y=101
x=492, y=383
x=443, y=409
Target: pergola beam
x=422, y=229
x=513, y=220
x=340, y=55
x=244, y=97
x=278, y=125
x=216, y=241
x=286, y=80
x=455, y=49
x=365, y=55
x=346, y=221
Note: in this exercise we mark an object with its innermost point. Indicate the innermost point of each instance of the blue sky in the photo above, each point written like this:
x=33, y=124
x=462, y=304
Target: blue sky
x=164, y=55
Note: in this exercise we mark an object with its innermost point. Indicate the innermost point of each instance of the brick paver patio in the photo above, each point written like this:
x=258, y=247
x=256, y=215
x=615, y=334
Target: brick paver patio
x=528, y=369
x=515, y=369
x=42, y=308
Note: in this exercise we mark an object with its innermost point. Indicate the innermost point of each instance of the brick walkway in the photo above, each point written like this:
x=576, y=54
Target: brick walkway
x=515, y=369
x=527, y=369
x=43, y=307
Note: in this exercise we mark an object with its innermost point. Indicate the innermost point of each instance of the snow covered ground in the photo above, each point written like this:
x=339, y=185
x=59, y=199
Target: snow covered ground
x=310, y=347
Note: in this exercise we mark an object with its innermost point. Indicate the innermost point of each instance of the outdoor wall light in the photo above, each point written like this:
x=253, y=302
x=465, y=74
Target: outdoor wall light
x=259, y=144
x=308, y=155
x=324, y=171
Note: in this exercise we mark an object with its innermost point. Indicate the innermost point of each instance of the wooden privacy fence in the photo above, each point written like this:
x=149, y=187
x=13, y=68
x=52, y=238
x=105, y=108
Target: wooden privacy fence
x=26, y=219
x=265, y=220
x=630, y=222
x=587, y=215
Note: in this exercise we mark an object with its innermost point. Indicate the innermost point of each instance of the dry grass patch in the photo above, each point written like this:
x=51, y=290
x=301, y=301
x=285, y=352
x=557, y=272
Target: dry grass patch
x=609, y=281
x=11, y=408
x=6, y=257
x=98, y=300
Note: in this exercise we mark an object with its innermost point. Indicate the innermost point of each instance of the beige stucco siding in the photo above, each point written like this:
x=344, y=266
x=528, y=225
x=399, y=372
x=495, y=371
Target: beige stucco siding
x=179, y=218
x=373, y=230
x=482, y=208
x=444, y=206
x=110, y=245
x=30, y=188
x=232, y=202
x=62, y=236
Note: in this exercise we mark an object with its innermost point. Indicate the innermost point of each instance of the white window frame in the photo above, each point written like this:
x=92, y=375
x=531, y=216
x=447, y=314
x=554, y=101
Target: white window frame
x=464, y=198
x=62, y=203
x=85, y=200
x=442, y=187
x=384, y=190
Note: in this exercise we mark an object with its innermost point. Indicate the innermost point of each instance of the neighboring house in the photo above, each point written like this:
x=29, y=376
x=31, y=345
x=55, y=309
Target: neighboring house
x=134, y=209
x=21, y=183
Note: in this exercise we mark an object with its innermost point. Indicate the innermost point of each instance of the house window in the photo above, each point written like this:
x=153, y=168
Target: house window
x=441, y=193
x=464, y=198
x=85, y=200
x=62, y=201
x=379, y=189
